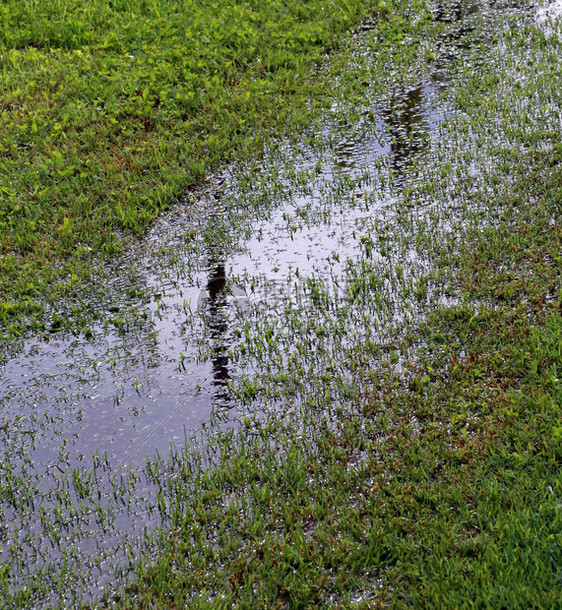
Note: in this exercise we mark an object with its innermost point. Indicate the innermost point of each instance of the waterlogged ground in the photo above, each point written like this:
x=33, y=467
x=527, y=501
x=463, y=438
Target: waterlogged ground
x=250, y=300
x=180, y=333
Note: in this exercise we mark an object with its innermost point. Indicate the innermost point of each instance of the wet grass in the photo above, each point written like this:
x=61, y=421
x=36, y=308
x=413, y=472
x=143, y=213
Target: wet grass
x=423, y=470
x=111, y=111
x=399, y=434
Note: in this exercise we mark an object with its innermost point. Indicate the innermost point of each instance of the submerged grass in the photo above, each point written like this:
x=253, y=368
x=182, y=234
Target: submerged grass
x=436, y=483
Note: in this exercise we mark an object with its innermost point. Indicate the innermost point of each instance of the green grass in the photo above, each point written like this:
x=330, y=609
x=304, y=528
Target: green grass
x=436, y=483
x=418, y=466
x=464, y=513
x=112, y=109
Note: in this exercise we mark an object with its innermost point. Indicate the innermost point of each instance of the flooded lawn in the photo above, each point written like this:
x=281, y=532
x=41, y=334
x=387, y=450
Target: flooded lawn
x=234, y=303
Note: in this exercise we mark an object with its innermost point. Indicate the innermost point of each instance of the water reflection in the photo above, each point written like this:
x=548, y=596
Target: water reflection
x=406, y=127
x=218, y=325
x=454, y=10
x=456, y=38
x=411, y=113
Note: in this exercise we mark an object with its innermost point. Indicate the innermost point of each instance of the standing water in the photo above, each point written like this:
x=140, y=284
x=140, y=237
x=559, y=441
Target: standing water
x=186, y=309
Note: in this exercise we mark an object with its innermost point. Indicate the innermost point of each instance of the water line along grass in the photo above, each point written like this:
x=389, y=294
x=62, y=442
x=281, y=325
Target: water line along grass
x=111, y=111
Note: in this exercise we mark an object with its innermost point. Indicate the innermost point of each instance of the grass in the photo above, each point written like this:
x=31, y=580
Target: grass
x=399, y=443
x=110, y=111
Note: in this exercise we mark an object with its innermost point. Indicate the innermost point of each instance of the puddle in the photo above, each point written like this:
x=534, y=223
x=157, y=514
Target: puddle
x=553, y=10
x=132, y=391
x=176, y=339
x=145, y=381
x=151, y=379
